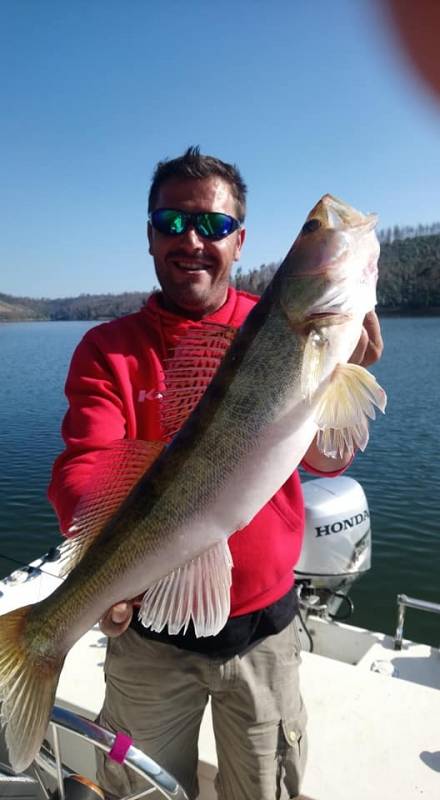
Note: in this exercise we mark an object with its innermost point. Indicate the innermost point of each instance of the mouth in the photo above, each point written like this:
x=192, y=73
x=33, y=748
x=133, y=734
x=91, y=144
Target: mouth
x=190, y=266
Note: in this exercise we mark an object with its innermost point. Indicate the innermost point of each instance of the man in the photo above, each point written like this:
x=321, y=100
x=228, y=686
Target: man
x=157, y=685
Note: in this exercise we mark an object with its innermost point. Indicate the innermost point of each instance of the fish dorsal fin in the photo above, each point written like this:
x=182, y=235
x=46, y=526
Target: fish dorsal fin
x=197, y=591
x=116, y=471
x=189, y=371
x=343, y=412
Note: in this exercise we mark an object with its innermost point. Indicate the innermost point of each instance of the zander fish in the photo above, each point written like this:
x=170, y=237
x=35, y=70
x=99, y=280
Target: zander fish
x=159, y=517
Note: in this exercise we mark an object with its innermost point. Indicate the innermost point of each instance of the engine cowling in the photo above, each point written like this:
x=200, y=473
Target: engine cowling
x=337, y=538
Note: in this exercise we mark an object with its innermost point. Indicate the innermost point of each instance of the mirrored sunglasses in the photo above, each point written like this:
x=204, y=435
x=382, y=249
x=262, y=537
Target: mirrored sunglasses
x=209, y=224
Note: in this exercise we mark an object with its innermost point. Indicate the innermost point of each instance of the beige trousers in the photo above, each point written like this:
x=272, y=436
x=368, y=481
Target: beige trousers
x=157, y=693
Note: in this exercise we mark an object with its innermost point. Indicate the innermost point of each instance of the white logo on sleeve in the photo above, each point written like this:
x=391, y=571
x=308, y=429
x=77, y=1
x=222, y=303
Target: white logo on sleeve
x=153, y=394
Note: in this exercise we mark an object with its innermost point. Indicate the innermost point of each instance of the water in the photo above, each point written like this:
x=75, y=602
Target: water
x=399, y=471
x=33, y=365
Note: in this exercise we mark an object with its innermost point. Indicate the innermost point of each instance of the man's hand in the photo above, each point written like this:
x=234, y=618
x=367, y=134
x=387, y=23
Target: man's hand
x=370, y=346
x=117, y=619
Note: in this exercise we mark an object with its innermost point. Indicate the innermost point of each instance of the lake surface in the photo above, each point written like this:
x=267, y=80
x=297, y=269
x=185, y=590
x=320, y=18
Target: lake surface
x=399, y=471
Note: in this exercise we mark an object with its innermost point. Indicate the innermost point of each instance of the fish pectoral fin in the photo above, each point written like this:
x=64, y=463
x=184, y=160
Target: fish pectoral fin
x=315, y=356
x=116, y=471
x=343, y=412
x=197, y=591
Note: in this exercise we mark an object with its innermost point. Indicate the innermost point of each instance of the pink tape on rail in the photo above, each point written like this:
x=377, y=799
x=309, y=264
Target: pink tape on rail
x=120, y=747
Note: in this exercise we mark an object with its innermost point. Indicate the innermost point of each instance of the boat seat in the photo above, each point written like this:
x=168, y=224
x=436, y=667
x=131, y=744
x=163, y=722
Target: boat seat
x=18, y=787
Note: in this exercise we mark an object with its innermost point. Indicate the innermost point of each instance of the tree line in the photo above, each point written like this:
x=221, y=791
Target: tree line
x=398, y=232
x=409, y=282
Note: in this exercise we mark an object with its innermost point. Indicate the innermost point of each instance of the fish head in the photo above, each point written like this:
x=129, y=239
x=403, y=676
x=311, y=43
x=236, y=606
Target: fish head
x=331, y=269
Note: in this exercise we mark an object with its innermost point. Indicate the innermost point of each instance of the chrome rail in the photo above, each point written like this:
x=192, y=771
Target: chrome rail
x=404, y=602
x=99, y=737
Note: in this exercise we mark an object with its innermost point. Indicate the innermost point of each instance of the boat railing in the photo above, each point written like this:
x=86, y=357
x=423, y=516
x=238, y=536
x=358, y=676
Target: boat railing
x=404, y=602
x=158, y=779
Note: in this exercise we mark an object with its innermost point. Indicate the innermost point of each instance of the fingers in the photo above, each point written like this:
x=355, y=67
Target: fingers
x=358, y=354
x=117, y=619
x=375, y=341
x=370, y=345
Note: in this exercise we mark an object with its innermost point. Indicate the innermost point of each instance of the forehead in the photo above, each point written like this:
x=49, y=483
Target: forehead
x=197, y=194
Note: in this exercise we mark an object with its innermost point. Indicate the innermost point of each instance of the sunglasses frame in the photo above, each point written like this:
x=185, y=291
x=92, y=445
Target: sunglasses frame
x=193, y=220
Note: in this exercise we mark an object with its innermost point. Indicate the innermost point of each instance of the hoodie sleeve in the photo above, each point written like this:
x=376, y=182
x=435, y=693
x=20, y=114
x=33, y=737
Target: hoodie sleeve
x=95, y=417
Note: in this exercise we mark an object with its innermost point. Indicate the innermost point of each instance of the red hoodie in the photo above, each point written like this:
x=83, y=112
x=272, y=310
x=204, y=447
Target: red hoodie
x=115, y=375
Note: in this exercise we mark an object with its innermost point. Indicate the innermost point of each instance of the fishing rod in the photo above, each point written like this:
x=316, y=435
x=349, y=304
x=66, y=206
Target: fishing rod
x=53, y=554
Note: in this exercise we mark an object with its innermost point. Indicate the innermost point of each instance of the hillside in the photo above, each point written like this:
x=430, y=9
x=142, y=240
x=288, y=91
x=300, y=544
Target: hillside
x=409, y=271
x=83, y=307
x=13, y=309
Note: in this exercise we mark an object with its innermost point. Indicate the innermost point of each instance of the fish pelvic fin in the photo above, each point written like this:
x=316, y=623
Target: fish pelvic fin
x=344, y=410
x=117, y=470
x=197, y=591
x=28, y=683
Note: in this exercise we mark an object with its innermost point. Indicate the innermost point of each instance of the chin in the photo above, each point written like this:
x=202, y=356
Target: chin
x=195, y=300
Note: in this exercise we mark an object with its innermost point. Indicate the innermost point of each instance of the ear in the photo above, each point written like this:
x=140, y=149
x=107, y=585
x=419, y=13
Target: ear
x=150, y=237
x=241, y=235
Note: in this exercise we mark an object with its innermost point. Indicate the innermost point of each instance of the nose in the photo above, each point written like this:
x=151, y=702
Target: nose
x=192, y=238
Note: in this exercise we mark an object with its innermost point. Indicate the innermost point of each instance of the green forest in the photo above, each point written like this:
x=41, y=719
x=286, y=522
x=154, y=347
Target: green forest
x=409, y=283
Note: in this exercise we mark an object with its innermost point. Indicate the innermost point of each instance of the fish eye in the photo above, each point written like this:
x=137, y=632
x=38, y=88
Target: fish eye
x=311, y=225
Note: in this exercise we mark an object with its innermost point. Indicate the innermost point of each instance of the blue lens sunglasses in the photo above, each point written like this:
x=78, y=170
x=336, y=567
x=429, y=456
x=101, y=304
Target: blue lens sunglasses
x=211, y=225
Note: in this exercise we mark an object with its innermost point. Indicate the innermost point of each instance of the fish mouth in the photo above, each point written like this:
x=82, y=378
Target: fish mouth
x=330, y=212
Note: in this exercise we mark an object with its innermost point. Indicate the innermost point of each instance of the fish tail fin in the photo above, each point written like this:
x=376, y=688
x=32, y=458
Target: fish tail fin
x=28, y=683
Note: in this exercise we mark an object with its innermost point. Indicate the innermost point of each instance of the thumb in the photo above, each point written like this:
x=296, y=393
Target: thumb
x=121, y=612
x=117, y=619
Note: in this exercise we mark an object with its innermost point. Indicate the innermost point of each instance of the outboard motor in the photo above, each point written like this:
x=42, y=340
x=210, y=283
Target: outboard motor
x=337, y=545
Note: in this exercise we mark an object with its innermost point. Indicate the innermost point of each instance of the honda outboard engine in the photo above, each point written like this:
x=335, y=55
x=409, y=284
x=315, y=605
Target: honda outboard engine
x=337, y=545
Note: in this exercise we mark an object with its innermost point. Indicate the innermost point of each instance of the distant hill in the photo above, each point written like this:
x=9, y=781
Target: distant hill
x=409, y=282
x=409, y=275
x=84, y=307
x=13, y=309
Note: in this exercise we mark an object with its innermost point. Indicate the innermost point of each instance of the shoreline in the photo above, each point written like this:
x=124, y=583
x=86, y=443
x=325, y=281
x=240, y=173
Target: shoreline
x=433, y=311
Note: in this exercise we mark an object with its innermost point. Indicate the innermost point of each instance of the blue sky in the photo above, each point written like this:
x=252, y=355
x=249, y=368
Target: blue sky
x=306, y=97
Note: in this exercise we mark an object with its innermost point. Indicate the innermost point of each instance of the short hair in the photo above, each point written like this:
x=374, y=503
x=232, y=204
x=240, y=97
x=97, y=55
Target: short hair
x=195, y=165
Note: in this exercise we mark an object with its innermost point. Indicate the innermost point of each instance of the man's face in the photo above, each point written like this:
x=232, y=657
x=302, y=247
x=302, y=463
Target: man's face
x=193, y=272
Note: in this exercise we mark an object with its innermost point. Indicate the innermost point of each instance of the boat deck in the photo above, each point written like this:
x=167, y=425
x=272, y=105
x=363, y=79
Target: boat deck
x=370, y=734
x=374, y=712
